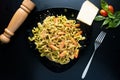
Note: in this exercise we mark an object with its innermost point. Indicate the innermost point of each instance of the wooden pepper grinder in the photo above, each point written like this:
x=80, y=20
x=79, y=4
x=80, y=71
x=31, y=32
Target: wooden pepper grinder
x=17, y=19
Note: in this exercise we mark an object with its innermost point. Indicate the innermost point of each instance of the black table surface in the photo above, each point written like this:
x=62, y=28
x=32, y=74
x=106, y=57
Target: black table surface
x=17, y=62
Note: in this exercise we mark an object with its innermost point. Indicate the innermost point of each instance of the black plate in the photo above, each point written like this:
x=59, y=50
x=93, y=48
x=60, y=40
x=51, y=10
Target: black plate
x=70, y=14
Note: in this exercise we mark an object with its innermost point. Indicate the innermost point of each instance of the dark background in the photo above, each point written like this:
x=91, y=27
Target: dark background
x=17, y=62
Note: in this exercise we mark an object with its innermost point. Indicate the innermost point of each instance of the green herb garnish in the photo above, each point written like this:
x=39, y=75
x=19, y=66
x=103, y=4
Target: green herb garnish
x=112, y=20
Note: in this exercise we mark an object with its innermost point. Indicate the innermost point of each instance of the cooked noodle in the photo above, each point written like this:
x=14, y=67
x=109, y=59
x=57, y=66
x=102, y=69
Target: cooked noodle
x=57, y=38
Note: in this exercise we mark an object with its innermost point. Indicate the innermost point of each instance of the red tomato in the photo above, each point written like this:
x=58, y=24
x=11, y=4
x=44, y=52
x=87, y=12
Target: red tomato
x=111, y=8
x=103, y=13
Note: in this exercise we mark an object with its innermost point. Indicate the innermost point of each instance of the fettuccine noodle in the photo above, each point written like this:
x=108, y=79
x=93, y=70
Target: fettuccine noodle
x=57, y=38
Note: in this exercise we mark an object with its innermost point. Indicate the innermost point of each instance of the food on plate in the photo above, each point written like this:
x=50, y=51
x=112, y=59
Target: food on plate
x=57, y=38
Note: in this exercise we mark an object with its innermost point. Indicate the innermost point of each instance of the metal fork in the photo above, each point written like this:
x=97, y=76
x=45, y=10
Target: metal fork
x=97, y=43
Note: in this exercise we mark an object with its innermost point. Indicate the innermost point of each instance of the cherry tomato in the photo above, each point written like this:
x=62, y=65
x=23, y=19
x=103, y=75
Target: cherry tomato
x=111, y=8
x=103, y=12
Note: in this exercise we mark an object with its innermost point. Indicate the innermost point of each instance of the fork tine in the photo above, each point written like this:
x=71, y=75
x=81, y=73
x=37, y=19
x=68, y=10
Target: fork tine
x=101, y=36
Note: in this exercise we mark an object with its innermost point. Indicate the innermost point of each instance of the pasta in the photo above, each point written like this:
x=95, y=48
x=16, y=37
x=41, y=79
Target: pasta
x=57, y=39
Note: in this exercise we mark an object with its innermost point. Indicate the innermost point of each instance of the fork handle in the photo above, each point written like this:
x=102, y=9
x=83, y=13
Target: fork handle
x=17, y=19
x=87, y=66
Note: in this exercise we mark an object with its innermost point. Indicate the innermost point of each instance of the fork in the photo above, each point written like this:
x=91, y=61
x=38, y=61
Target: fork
x=97, y=43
